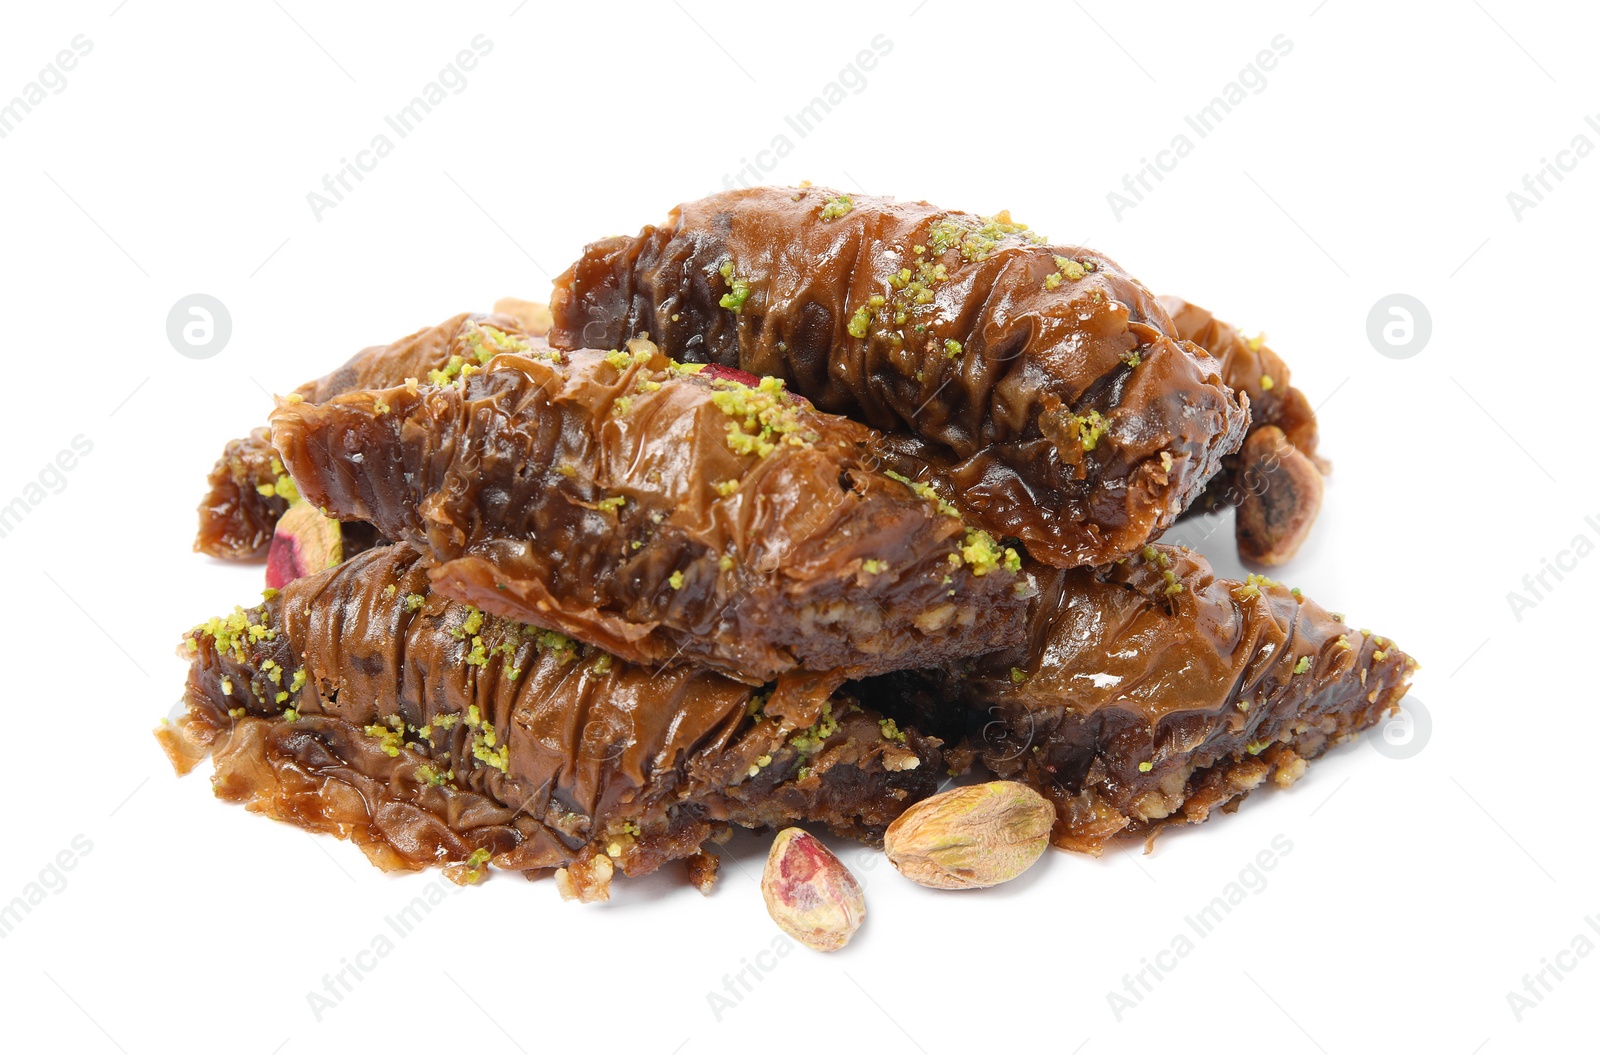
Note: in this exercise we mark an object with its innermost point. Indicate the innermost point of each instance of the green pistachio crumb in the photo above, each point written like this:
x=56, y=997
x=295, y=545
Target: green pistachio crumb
x=837, y=207
x=734, y=300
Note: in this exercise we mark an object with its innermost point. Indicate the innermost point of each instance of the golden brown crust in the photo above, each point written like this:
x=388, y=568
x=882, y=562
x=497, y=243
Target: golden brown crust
x=1049, y=394
x=661, y=515
x=356, y=703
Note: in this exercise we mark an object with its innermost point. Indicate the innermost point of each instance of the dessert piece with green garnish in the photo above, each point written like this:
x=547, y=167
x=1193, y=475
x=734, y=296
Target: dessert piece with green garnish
x=815, y=560
x=249, y=489
x=1037, y=387
x=436, y=734
x=1152, y=693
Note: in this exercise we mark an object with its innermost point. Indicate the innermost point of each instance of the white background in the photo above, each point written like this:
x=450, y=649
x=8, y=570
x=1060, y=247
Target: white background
x=1377, y=159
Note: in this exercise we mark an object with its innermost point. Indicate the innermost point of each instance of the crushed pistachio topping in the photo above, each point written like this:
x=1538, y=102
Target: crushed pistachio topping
x=1250, y=589
x=298, y=681
x=1303, y=666
x=1344, y=641
x=612, y=504
x=1087, y=428
x=1267, y=383
x=236, y=712
x=1133, y=360
x=487, y=341
x=622, y=405
x=1258, y=747
x=415, y=601
x=874, y=567
x=810, y=741
x=726, y=487
x=859, y=322
x=891, y=731
x=234, y=632
x=1174, y=587
x=976, y=240
x=924, y=491
x=983, y=555
x=1018, y=675
x=1379, y=656
x=390, y=590
x=1145, y=767
x=469, y=626
x=837, y=207
x=738, y=289
x=227, y=686
x=294, y=397
x=484, y=741
x=952, y=349
x=675, y=580
x=390, y=734
x=454, y=372
x=1256, y=342
x=291, y=715
x=1072, y=270
x=762, y=416
x=380, y=406
x=726, y=563
x=569, y=471
x=565, y=648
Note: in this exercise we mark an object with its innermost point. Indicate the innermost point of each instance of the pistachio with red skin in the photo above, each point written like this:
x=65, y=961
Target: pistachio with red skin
x=304, y=543
x=810, y=893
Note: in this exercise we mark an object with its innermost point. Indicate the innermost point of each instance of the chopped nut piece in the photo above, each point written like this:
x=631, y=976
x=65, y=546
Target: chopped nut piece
x=586, y=880
x=703, y=871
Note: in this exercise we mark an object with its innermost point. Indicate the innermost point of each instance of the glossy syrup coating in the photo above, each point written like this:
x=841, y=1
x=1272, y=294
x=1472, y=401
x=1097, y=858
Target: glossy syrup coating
x=357, y=702
x=639, y=506
x=1275, y=479
x=246, y=493
x=1151, y=693
x=1042, y=389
